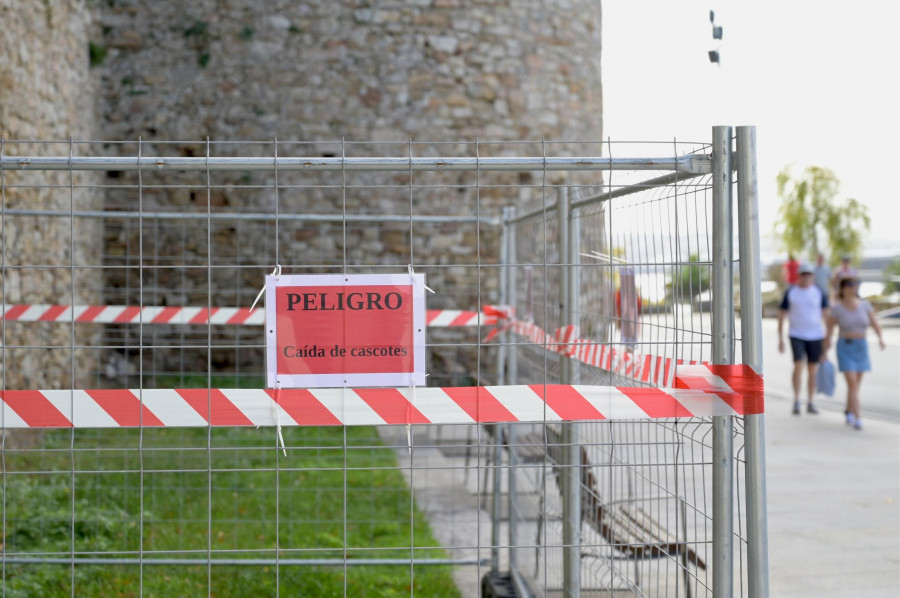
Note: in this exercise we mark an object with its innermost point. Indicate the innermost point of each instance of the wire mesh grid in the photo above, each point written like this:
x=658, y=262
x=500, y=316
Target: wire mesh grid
x=646, y=486
x=362, y=511
x=646, y=495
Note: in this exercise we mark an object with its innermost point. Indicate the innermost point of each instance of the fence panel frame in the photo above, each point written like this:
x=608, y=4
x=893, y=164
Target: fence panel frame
x=722, y=166
x=682, y=167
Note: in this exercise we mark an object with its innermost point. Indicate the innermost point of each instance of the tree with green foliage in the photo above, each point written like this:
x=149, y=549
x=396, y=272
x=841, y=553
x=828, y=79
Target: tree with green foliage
x=689, y=281
x=813, y=219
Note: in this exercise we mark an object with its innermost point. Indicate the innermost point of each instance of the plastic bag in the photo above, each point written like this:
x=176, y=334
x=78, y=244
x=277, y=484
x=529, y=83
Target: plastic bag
x=825, y=378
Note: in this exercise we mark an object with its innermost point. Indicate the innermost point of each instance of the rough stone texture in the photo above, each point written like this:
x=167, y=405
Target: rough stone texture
x=435, y=70
x=47, y=93
x=311, y=74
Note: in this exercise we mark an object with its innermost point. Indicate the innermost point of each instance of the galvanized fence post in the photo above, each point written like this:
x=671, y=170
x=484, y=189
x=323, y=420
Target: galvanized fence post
x=512, y=370
x=574, y=253
x=564, y=290
x=571, y=468
x=722, y=305
x=504, y=291
x=501, y=380
x=751, y=350
x=509, y=227
x=512, y=508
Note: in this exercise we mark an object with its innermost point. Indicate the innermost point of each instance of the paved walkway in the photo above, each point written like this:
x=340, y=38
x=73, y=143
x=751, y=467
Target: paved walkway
x=833, y=492
x=834, y=505
x=833, y=497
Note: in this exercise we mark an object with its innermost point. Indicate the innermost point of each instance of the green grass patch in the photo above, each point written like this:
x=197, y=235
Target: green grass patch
x=185, y=493
x=203, y=381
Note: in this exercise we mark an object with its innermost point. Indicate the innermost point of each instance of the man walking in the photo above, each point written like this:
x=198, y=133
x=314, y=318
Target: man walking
x=822, y=275
x=806, y=307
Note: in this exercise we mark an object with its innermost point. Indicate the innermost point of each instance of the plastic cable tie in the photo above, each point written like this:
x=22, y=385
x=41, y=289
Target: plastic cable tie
x=275, y=272
x=412, y=402
x=277, y=419
x=413, y=273
x=281, y=439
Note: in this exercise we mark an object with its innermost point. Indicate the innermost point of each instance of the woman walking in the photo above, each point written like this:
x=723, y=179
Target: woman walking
x=851, y=316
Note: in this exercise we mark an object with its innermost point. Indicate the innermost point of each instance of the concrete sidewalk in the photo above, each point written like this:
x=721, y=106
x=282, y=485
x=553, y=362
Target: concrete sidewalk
x=833, y=498
x=834, y=492
x=834, y=503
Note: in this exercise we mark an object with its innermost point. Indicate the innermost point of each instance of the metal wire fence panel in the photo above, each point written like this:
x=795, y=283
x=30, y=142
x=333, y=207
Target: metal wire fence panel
x=652, y=287
x=647, y=511
x=133, y=265
x=640, y=260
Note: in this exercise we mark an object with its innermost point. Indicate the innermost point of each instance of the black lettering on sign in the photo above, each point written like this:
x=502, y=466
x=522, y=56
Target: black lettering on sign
x=354, y=301
x=378, y=352
x=293, y=299
x=304, y=351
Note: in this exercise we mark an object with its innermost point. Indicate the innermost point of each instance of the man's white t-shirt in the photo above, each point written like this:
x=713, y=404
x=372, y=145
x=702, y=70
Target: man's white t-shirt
x=804, y=307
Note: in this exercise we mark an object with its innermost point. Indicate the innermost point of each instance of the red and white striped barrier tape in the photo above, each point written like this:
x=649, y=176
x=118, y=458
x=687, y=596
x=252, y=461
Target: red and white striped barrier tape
x=652, y=369
x=438, y=318
x=699, y=391
x=131, y=314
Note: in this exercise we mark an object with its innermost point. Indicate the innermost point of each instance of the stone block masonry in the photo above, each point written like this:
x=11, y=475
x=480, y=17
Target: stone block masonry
x=311, y=74
x=47, y=92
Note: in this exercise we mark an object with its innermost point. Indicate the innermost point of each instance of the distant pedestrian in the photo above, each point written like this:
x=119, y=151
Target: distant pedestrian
x=791, y=276
x=822, y=275
x=845, y=270
x=806, y=307
x=852, y=316
x=628, y=309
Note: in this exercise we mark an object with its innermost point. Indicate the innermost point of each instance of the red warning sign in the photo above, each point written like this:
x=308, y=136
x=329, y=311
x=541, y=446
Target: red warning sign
x=345, y=330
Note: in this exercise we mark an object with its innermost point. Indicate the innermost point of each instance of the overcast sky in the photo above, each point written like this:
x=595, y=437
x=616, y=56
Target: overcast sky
x=820, y=79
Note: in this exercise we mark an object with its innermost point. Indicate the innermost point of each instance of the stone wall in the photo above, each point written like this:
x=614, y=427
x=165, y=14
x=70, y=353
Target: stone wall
x=383, y=72
x=442, y=73
x=305, y=70
x=47, y=92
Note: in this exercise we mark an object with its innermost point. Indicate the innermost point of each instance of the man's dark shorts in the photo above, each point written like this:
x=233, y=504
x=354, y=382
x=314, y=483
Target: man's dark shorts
x=810, y=351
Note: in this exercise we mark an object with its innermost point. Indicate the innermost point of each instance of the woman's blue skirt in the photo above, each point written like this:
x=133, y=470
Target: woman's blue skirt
x=853, y=355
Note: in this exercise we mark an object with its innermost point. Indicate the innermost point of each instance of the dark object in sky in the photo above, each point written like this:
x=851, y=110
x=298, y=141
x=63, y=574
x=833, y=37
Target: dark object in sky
x=717, y=34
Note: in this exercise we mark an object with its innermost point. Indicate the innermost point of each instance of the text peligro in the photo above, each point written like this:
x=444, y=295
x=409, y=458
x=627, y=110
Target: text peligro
x=343, y=301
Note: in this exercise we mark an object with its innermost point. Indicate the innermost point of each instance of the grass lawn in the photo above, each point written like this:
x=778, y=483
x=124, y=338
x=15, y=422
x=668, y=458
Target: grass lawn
x=214, y=493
